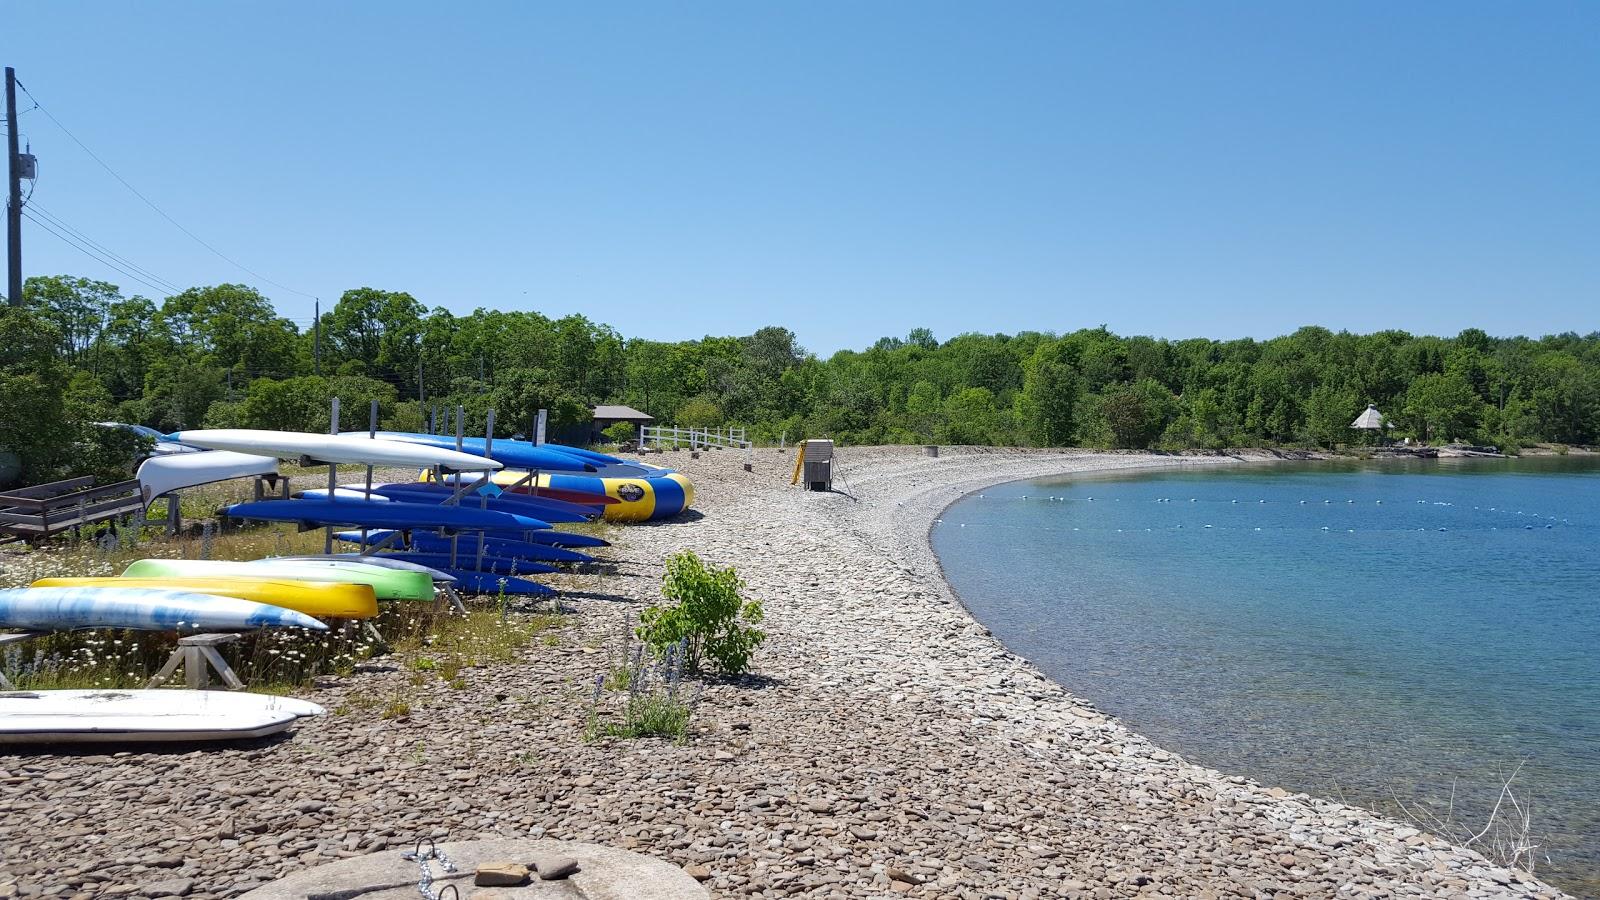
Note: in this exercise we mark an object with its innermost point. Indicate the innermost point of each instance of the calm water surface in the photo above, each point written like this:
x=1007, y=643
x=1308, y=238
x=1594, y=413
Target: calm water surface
x=1369, y=631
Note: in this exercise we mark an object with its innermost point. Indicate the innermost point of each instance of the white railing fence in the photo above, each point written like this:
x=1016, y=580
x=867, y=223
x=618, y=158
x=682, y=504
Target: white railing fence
x=660, y=437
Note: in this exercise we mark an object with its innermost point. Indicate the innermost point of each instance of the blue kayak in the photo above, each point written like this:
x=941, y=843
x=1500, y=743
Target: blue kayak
x=520, y=504
x=403, y=492
x=499, y=565
x=392, y=514
x=548, y=538
x=487, y=583
x=517, y=454
x=427, y=542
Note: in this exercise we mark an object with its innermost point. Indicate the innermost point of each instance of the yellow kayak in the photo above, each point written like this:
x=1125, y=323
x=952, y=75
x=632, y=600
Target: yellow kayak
x=323, y=599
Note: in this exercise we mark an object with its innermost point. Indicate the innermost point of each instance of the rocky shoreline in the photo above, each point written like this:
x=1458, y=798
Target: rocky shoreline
x=888, y=745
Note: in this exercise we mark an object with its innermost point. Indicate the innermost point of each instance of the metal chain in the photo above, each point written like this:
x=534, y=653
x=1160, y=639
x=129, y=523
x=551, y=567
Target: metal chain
x=425, y=877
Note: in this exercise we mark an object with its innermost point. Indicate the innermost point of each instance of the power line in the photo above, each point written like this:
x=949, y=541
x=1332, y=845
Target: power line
x=148, y=202
x=138, y=269
x=90, y=253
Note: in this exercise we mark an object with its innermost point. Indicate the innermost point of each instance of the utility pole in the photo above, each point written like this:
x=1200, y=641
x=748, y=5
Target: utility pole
x=422, y=394
x=14, y=203
x=316, y=338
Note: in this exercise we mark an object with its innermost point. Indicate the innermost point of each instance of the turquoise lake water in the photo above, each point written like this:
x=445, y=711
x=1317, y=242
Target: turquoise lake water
x=1365, y=631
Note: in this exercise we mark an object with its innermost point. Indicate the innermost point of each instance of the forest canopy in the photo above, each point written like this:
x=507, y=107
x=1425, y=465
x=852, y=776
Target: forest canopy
x=221, y=356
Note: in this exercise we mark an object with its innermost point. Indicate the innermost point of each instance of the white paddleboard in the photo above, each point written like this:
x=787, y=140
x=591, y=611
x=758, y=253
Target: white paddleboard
x=163, y=474
x=330, y=448
x=112, y=716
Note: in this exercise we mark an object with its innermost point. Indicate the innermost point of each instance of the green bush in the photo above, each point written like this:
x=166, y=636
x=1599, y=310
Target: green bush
x=709, y=618
x=621, y=432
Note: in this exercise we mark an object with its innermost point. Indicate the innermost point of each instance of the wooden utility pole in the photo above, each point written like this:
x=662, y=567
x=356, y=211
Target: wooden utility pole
x=316, y=338
x=14, y=203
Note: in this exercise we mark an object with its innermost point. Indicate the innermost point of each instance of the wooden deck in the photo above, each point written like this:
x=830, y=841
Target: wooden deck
x=37, y=512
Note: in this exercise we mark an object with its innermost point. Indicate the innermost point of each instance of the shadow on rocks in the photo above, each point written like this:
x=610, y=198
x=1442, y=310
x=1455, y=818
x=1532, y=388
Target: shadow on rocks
x=749, y=681
x=146, y=748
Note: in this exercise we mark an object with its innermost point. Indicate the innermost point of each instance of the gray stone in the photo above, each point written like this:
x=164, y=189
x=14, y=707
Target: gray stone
x=553, y=866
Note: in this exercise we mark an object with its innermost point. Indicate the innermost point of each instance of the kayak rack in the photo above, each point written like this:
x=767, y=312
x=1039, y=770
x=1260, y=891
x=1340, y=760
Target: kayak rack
x=16, y=637
x=196, y=653
x=198, y=656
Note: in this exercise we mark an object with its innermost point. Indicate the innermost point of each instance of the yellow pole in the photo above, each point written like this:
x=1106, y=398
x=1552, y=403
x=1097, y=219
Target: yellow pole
x=799, y=460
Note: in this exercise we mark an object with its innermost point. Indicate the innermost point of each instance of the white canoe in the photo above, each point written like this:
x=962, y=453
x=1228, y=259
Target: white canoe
x=331, y=448
x=163, y=474
x=113, y=716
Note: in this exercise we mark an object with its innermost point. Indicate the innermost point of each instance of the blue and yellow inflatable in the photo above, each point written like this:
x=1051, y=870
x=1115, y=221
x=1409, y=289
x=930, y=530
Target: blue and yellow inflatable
x=643, y=499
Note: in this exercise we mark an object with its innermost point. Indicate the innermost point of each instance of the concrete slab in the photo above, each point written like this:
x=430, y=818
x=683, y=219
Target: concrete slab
x=604, y=873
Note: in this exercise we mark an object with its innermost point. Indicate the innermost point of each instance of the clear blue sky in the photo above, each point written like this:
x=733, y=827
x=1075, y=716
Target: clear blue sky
x=849, y=170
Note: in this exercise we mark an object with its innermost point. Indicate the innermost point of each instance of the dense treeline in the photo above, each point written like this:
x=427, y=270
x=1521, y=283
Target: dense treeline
x=222, y=357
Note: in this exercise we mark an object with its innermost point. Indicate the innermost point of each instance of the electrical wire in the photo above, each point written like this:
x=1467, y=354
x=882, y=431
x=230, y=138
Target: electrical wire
x=148, y=202
x=90, y=253
x=57, y=221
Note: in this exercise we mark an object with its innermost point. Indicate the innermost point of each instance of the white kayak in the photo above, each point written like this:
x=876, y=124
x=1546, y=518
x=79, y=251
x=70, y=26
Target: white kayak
x=331, y=448
x=113, y=716
x=163, y=474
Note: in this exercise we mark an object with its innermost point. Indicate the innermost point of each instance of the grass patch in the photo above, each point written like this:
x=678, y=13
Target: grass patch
x=448, y=643
x=642, y=697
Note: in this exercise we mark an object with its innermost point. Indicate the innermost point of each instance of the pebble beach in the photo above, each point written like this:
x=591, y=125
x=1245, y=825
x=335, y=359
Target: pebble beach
x=886, y=745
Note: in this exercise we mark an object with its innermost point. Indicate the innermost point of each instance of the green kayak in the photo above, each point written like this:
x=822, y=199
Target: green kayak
x=388, y=584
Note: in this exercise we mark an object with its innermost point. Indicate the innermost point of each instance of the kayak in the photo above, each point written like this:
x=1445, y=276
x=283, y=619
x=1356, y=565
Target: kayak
x=464, y=561
x=395, y=564
x=121, y=717
x=488, y=583
x=353, y=448
x=388, y=584
x=504, y=452
x=160, y=475
x=142, y=609
x=324, y=599
x=389, y=514
x=416, y=492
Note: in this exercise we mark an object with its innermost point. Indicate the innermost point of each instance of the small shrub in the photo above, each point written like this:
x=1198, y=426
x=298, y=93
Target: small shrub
x=710, y=619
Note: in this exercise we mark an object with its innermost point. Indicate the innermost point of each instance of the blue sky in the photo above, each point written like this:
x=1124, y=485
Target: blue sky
x=848, y=170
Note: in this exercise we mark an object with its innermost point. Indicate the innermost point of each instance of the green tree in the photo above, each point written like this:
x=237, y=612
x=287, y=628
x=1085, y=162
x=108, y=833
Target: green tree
x=1441, y=407
x=78, y=307
x=971, y=417
x=1049, y=400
